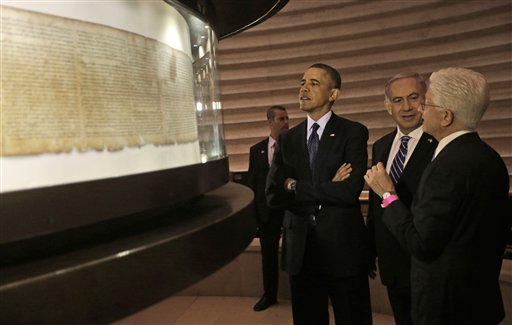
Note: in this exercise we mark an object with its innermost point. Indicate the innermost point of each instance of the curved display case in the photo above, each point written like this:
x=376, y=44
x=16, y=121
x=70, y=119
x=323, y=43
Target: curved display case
x=115, y=177
x=113, y=119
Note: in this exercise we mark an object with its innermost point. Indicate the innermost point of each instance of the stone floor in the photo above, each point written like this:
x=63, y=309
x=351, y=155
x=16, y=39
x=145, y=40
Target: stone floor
x=195, y=310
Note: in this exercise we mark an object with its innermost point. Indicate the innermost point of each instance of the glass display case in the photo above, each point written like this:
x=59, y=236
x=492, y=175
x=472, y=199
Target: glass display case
x=206, y=90
x=88, y=95
x=114, y=173
x=109, y=108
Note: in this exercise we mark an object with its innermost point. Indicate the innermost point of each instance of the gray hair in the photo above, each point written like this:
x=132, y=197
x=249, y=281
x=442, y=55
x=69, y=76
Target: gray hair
x=465, y=92
x=421, y=81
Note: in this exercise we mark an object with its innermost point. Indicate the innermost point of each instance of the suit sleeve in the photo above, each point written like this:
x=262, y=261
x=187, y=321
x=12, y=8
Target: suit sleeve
x=426, y=229
x=251, y=173
x=276, y=195
x=345, y=193
x=370, y=221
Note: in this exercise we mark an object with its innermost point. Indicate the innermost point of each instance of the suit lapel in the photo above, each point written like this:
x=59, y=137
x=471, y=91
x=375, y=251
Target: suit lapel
x=446, y=154
x=263, y=154
x=329, y=136
x=383, y=149
x=423, y=152
x=301, y=142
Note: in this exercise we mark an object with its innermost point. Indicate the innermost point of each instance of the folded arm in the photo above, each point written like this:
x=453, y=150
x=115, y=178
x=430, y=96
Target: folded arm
x=332, y=190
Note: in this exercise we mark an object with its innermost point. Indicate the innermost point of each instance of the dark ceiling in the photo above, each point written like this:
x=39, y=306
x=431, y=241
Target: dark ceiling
x=228, y=17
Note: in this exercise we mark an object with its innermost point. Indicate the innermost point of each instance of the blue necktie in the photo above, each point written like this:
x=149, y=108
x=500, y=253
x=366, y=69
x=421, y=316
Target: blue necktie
x=313, y=146
x=397, y=167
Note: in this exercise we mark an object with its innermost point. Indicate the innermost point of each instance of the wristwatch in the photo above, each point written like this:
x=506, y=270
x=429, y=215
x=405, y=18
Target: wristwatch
x=386, y=195
x=292, y=185
x=388, y=198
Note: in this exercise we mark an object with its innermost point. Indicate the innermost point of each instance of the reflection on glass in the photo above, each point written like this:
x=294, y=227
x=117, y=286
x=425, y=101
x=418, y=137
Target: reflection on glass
x=206, y=87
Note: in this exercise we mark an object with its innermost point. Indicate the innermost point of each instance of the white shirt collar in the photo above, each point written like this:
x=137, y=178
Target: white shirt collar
x=415, y=134
x=322, y=122
x=271, y=141
x=447, y=139
x=411, y=145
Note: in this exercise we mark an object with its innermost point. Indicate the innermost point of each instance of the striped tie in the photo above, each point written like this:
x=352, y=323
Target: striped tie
x=398, y=163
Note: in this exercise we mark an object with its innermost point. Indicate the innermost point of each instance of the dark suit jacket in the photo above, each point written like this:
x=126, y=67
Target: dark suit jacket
x=394, y=261
x=256, y=179
x=456, y=232
x=341, y=234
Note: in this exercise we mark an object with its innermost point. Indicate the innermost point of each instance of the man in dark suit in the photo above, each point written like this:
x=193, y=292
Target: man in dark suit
x=325, y=247
x=457, y=225
x=403, y=95
x=269, y=220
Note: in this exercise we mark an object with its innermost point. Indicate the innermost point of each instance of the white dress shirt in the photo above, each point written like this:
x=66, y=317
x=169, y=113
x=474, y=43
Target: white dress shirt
x=321, y=123
x=411, y=145
x=270, y=149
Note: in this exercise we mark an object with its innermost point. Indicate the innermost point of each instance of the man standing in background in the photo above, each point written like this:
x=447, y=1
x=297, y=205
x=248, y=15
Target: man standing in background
x=457, y=225
x=269, y=220
x=405, y=153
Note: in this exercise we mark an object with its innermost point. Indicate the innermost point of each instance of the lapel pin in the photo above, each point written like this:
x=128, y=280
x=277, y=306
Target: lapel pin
x=332, y=134
x=429, y=140
x=262, y=151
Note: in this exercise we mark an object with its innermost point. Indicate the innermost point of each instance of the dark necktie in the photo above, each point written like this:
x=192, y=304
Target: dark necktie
x=398, y=163
x=313, y=146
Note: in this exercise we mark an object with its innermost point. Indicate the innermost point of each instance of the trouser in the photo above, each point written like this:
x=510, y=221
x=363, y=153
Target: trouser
x=349, y=296
x=400, y=300
x=270, y=233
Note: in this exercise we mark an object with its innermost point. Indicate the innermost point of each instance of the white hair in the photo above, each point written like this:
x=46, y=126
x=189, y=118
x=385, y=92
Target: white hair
x=465, y=92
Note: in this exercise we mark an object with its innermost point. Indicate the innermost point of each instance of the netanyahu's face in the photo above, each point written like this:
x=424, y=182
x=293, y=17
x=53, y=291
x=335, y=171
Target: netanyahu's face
x=405, y=96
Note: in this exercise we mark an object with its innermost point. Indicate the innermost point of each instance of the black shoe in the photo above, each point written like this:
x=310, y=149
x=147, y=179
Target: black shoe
x=264, y=303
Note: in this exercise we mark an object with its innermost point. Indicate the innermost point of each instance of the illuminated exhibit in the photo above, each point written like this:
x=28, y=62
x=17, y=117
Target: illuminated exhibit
x=114, y=173
x=82, y=89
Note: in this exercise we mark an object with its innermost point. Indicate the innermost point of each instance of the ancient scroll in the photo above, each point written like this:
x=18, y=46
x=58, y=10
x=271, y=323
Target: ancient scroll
x=69, y=84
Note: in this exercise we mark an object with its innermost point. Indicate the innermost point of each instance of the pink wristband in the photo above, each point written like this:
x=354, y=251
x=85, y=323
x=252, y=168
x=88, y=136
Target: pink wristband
x=389, y=200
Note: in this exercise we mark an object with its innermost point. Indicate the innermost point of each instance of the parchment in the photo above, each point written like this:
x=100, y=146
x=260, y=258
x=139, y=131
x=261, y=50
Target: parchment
x=69, y=84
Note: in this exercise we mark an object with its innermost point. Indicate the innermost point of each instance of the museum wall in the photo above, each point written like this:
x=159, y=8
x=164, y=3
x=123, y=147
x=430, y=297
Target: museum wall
x=368, y=42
